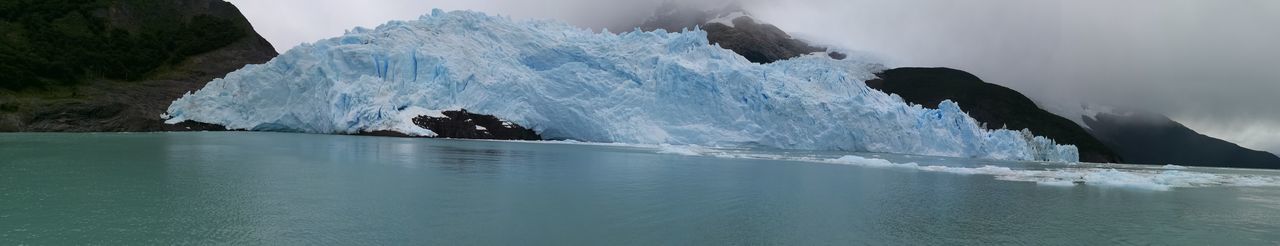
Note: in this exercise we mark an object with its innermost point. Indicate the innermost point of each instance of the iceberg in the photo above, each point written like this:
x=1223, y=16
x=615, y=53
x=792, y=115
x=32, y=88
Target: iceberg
x=570, y=83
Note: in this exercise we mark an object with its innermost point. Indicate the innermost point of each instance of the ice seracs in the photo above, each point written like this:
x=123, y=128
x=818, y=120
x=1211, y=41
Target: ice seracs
x=570, y=83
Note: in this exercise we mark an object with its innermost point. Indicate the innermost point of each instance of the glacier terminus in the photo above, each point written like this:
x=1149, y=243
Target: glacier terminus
x=572, y=83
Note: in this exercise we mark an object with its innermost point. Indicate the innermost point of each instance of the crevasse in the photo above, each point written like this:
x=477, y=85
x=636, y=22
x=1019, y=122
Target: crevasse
x=569, y=83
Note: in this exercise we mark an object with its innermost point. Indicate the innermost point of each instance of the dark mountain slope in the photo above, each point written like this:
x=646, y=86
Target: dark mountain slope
x=1144, y=138
x=996, y=106
x=114, y=65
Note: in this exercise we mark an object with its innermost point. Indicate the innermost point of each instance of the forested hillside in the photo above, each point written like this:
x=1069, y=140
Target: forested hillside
x=64, y=42
x=114, y=65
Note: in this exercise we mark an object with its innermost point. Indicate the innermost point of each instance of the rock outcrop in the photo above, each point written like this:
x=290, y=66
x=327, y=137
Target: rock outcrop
x=467, y=125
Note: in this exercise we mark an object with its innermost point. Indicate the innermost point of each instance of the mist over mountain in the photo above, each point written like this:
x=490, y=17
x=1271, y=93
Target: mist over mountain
x=1150, y=138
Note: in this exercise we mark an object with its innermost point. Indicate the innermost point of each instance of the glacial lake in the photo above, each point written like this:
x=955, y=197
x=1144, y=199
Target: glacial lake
x=299, y=189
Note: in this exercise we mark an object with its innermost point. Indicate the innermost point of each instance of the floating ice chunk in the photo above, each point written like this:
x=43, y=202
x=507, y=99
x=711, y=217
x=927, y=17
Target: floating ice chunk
x=1173, y=167
x=689, y=150
x=1143, y=179
x=1136, y=177
x=402, y=122
x=870, y=162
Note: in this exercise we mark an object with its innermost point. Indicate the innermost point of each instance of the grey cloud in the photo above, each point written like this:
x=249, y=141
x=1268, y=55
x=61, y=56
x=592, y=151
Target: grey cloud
x=287, y=23
x=1209, y=64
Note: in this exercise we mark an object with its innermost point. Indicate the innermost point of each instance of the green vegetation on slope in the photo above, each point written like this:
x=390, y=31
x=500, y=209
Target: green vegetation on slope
x=47, y=43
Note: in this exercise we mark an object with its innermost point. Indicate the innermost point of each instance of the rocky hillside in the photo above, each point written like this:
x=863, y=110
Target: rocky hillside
x=1147, y=138
x=732, y=28
x=994, y=105
x=114, y=65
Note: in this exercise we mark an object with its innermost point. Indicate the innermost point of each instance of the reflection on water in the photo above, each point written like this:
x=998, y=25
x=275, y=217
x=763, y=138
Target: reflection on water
x=263, y=188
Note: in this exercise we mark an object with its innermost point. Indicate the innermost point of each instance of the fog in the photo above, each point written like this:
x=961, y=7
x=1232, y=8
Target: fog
x=1211, y=65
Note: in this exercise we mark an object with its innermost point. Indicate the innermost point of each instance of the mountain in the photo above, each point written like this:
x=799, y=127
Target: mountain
x=114, y=65
x=568, y=83
x=996, y=106
x=1149, y=138
x=732, y=28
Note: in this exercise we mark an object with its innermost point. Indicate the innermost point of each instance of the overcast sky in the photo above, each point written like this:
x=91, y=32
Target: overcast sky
x=1213, y=65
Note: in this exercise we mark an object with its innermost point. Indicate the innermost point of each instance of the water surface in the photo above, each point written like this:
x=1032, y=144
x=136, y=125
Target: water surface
x=288, y=189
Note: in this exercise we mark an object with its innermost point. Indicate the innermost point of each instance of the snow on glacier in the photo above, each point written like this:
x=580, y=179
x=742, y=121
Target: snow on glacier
x=569, y=83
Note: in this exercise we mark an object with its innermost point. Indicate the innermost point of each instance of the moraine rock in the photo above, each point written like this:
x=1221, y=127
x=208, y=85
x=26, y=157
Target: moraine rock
x=463, y=124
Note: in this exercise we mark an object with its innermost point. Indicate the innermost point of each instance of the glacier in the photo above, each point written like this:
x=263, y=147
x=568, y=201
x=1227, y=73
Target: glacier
x=570, y=83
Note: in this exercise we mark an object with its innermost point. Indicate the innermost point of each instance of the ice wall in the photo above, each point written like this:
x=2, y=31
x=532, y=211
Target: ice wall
x=565, y=82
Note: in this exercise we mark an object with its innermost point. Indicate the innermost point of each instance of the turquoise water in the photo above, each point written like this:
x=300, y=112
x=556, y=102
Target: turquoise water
x=297, y=189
